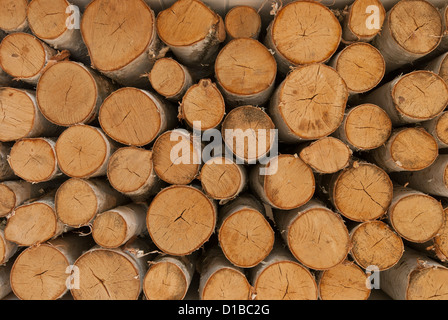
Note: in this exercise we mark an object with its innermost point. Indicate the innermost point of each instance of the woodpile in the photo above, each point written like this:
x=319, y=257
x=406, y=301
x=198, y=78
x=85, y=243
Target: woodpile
x=282, y=150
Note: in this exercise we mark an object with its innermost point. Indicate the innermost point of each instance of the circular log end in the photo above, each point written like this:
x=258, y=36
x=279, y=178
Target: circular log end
x=47, y=18
x=242, y=22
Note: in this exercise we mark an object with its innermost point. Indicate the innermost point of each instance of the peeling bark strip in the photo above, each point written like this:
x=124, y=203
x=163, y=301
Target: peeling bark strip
x=411, y=30
x=281, y=277
x=13, y=15
x=414, y=215
x=303, y=32
x=242, y=22
x=192, y=31
x=48, y=21
x=309, y=104
x=415, y=277
x=42, y=272
x=70, y=93
x=122, y=40
x=309, y=229
x=374, y=243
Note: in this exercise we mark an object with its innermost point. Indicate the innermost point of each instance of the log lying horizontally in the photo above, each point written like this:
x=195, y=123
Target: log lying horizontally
x=438, y=128
x=13, y=15
x=242, y=22
x=7, y=248
x=6, y=172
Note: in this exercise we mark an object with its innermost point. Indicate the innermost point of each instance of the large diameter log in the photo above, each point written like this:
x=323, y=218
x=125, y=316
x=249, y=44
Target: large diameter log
x=221, y=280
x=112, y=274
x=70, y=93
x=203, y=102
x=281, y=277
x=115, y=227
x=286, y=182
x=245, y=236
x=361, y=192
x=131, y=171
x=365, y=127
x=168, y=278
x=326, y=155
x=414, y=215
x=24, y=57
x=242, y=22
x=415, y=277
x=34, y=160
x=316, y=236
x=375, y=245
x=135, y=117
x=249, y=133
x=303, y=32
x=402, y=96
x=34, y=223
x=192, y=31
x=121, y=39
x=6, y=172
x=408, y=149
x=438, y=128
x=358, y=24
x=245, y=79
x=309, y=104
x=55, y=29
x=360, y=65
x=43, y=272
x=83, y=151
x=13, y=15
x=7, y=248
x=22, y=117
x=181, y=227
x=411, y=30
x=346, y=281
x=78, y=201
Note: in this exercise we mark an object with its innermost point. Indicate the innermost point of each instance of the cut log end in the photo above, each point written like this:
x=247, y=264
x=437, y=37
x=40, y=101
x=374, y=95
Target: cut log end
x=443, y=70
x=226, y=284
x=13, y=15
x=242, y=22
x=165, y=281
x=429, y=283
x=441, y=239
x=109, y=229
x=441, y=130
x=168, y=77
x=7, y=200
x=356, y=20
x=44, y=25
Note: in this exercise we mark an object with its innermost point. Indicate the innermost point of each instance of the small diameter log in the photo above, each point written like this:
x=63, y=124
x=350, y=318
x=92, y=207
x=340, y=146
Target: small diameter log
x=203, y=102
x=245, y=79
x=83, y=151
x=408, y=149
x=221, y=280
x=415, y=277
x=136, y=117
x=346, y=281
x=181, y=219
x=131, y=171
x=168, y=278
x=78, y=201
x=375, y=244
x=69, y=93
x=360, y=65
x=115, y=227
x=403, y=97
x=326, y=155
x=242, y=22
x=281, y=277
x=6, y=172
x=414, y=215
x=21, y=116
x=361, y=192
x=359, y=24
x=50, y=20
x=34, y=223
x=303, y=32
x=411, y=30
x=249, y=133
x=223, y=179
x=316, y=236
x=170, y=78
x=175, y=157
x=121, y=39
x=7, y=248
x=438, y=128
x=192, y=31
x=112, y=274
x=34, y=160
x=309, y=104
x=439, y=65
x=245, y=236
x=13, y=15
x=365, y=127
x=44, y=272
x=24, y=57
x=5, y=285
x=286, y=182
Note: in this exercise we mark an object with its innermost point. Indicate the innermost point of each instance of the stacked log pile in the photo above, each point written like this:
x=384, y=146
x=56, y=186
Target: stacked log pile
x=164, y=154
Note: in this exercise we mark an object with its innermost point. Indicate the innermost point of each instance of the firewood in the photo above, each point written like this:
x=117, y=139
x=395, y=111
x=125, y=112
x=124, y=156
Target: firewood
x=6, y=172
x=438, y=128
x=7, y=248
x=242, y=22
x=5, y=284
x=13, y=15
x=439, y=66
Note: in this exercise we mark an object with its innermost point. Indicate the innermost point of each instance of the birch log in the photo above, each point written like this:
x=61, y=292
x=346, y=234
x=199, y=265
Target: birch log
x=5, y=285
x=7, y=248
x=242, y=22
x=5, y=79
x=439, y=65
x=6, y=172
x=438, y=128
x=13, y=15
